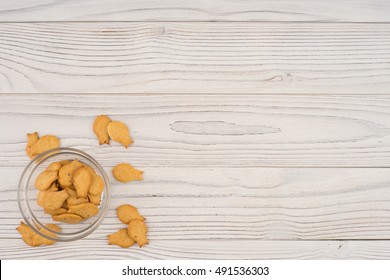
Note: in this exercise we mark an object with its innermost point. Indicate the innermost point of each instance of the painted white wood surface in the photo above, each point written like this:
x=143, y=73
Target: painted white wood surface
x=206, y=178
x=202, y=249
x=209, y=131
x=301, y=173
x=199, y=10
x=196, y=57
x=204, y=213
x=241, y=203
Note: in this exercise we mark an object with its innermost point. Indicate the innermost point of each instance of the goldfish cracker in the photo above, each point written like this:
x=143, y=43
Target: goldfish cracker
x=119, y=132
x=95, y=199
x=84, y=210
x=54, y=166
x=45, y=143
x=54, y=200
x=32, y=138
x=97, y=185
x=82, y=180
x=65, y=175
x=127, y=213
x=121, y=238
x=137, y=230
x=76, y=200
x=100, y=126
x=45, y=179
x=124, y=173
x=68, y=218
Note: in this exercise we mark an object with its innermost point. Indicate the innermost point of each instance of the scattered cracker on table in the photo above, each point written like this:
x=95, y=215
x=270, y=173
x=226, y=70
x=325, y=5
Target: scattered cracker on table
x=27, y=233
x=127, y=213
x=136, y=230
x=119, y=132
x=31, y=238
x=39, y=240
x=100, y=128
x=106, y=129
x=37, y=145
x=124, y=173
x=121, y=238
x=32, y=138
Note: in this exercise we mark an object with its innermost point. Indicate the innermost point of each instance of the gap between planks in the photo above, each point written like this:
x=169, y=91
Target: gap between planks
x=195, y=94
x=197, y=21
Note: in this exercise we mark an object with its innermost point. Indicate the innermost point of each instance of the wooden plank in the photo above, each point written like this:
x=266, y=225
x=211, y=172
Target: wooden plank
x=208, y=131
x=240, y=203
x=200, y=10
x=168, y=58
x=196, y=249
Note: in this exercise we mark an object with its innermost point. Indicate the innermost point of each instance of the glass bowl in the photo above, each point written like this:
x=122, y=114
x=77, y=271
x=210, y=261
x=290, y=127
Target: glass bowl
x=34, y=215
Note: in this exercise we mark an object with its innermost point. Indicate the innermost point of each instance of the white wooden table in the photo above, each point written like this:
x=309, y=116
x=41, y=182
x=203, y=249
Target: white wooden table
x=263, y=127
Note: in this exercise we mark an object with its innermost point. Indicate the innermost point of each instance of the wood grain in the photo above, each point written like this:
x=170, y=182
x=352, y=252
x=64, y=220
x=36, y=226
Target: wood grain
x=196, y=249
x=209, y=131
x=231, y=172
x=241, y=203
x=218, y=58
x=200, y=10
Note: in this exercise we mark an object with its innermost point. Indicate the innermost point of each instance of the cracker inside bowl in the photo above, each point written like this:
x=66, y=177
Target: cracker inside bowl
x=77, y=212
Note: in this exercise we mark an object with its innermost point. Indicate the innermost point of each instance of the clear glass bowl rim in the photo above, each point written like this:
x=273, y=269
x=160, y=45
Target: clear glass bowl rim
x=24, y=207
